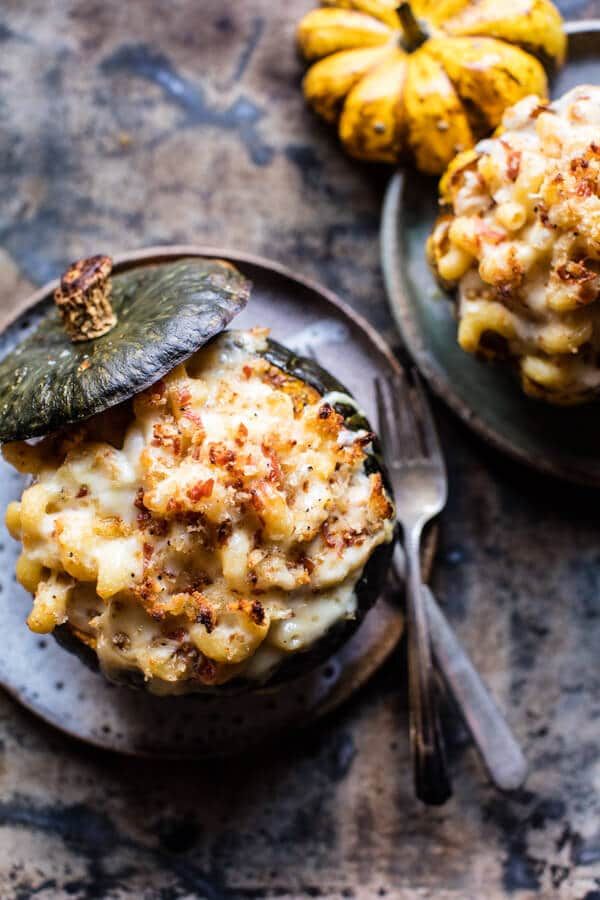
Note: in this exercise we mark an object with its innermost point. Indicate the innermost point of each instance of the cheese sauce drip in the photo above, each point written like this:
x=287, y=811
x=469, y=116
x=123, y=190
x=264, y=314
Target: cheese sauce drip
x=521, y=241
x=208, y=529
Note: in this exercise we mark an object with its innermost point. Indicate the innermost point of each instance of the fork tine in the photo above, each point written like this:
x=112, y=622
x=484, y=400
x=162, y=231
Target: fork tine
x=397, y=423
x=423, y=412
x=407, y=427
x=309, y=351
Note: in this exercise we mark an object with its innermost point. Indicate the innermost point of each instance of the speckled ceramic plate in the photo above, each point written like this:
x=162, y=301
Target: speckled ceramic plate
x=563, y=442
x=57, y=687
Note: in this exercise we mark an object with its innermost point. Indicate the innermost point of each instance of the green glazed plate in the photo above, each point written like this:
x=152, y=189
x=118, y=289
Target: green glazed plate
x=560, y=441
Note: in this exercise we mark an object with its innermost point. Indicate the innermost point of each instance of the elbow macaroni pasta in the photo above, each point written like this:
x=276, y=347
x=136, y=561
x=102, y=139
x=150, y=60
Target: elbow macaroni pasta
x=520, y=239
x=205, y=530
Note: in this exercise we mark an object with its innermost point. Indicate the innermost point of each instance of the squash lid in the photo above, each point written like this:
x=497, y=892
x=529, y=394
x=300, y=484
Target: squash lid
x=164, y=313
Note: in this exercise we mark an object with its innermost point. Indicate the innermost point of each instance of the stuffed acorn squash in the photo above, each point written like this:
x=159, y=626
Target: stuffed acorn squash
x=207, y=510
x=425, y=79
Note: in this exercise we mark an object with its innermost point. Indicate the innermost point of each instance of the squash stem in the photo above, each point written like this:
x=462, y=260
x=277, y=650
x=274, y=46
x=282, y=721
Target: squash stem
x=83, y=298
x=414, y=33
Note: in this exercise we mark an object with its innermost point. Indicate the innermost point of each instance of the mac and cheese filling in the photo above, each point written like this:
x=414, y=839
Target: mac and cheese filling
x=521, y=240
x=215, y=524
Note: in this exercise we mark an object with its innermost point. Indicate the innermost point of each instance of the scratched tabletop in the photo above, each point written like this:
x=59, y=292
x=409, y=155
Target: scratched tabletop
x=124, y=125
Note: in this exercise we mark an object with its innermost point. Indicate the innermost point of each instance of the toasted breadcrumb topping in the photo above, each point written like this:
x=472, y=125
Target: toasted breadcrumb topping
x=520, y=238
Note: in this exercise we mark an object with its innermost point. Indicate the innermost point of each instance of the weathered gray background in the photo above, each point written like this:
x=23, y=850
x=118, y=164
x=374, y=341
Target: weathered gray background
x=124, y=124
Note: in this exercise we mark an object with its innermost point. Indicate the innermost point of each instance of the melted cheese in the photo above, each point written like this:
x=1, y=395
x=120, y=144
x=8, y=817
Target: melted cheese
x=209, y=529
x=522, y=243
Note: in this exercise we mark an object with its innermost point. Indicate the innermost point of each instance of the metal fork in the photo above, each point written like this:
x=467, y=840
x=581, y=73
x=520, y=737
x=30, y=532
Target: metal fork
x=418, y=476
x=499, y=749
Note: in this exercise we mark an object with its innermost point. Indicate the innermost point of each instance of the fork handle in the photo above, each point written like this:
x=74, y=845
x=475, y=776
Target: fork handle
x=432, y=782
x=501, y=754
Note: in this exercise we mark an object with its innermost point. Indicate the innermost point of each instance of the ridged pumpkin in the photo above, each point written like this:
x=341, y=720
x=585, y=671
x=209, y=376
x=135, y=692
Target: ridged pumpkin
x=425, y=79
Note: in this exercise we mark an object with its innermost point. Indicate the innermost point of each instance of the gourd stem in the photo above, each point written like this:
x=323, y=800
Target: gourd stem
x=414, y=34
x=83, y=298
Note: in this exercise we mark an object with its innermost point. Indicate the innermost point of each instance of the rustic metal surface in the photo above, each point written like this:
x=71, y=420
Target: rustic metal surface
x=126, y=124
